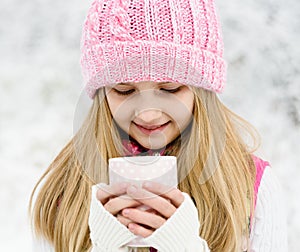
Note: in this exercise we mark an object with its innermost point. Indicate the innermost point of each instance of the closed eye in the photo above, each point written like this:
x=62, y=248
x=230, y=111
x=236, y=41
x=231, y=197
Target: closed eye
x=130, y=91
x=127, y=92
x=171, y=90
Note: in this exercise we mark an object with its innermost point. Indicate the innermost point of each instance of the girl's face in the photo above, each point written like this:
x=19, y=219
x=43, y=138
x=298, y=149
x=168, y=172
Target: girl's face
x=153, y=113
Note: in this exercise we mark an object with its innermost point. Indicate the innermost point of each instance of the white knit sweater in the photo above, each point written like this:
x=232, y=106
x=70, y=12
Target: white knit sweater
x=180, y=232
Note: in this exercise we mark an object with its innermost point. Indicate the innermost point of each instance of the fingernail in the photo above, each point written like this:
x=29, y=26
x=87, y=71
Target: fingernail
x=132, y=189
x=131, y=226
x=126, y=211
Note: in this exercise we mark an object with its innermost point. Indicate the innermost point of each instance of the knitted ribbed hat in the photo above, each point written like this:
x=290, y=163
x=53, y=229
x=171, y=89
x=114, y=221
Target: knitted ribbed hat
x=152, y=40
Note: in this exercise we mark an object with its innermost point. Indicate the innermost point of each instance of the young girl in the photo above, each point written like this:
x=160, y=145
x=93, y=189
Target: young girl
x=153, y=69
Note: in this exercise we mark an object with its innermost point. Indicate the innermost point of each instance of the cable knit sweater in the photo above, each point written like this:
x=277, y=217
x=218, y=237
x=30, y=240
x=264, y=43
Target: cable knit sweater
x=180, y=232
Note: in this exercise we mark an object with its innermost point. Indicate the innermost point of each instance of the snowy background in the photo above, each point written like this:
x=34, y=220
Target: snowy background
x=40, y=84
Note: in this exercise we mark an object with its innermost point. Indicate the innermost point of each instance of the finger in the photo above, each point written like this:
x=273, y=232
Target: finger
x=125, y=221
x=107, y=191
x=173, y=194
x=160, y=204
x=115, y=205
x=141, y=217
x=140, y=230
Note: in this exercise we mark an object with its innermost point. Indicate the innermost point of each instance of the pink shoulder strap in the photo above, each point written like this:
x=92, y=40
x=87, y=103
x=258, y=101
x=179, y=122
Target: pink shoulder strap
x=260, y=168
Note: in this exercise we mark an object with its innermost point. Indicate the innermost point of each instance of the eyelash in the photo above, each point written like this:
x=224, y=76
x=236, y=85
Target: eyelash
x=128, y=92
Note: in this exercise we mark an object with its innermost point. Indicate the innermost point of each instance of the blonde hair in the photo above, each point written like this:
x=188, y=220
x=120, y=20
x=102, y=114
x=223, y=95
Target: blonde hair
x=214, y=163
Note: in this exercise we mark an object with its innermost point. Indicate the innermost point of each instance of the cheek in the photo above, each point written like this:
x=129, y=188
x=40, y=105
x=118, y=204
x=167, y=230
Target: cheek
x=121, y=111
x=184, y=113
x=183, y=121
x=113, y=103
x=189, y=100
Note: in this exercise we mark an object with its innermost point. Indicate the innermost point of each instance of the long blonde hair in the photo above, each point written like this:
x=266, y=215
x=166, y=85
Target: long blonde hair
x=214, y=163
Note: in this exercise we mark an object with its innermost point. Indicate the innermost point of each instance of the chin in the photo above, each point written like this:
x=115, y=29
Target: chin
x=154, y=144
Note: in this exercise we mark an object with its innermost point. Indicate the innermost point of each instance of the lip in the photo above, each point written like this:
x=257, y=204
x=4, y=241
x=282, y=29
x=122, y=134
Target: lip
x=150, y=129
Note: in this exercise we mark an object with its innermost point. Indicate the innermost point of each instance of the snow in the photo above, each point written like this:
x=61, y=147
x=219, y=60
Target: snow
x=41, y=84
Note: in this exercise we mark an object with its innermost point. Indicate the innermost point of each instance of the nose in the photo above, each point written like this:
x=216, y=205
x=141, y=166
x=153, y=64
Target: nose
x=149, y=116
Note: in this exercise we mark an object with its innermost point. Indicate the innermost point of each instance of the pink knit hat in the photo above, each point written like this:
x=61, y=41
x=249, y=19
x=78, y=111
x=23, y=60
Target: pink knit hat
x=152, y=40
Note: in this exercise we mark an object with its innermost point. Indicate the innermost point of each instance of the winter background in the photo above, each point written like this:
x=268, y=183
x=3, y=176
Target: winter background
x=40, y=84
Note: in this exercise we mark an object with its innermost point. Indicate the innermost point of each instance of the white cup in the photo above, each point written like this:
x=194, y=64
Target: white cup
x=136, y=170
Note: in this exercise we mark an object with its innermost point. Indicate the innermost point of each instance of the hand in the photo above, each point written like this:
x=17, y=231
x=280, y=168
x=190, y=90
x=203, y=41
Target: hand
x=114, y=198
x=163, y=200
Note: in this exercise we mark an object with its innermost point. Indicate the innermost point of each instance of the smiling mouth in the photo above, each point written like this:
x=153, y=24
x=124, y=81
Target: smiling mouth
x=151, y=127
x=148, y=129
